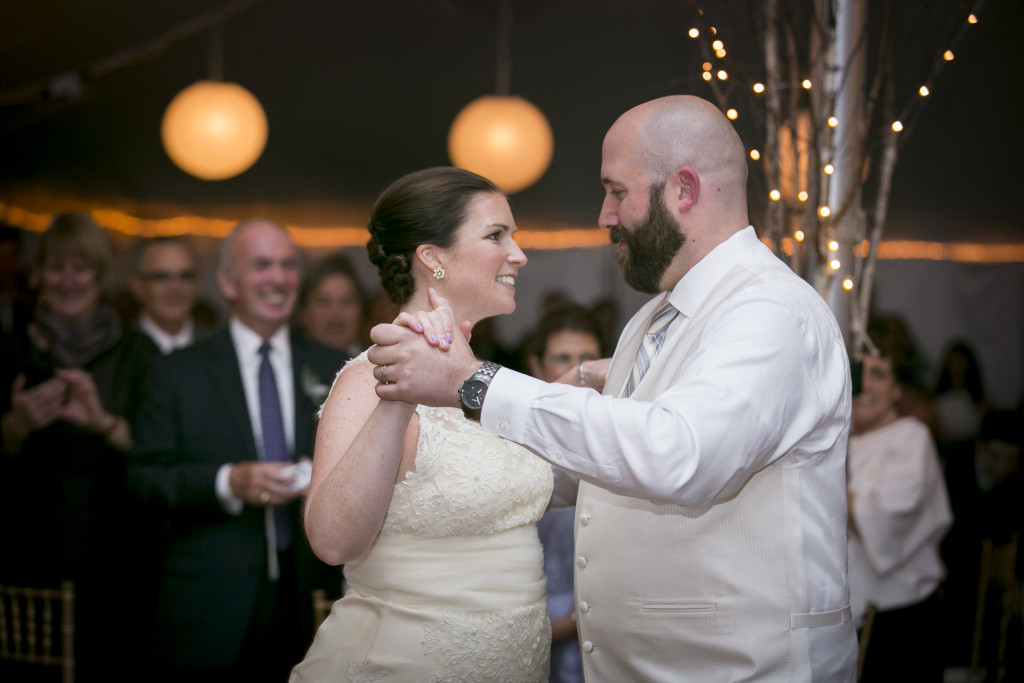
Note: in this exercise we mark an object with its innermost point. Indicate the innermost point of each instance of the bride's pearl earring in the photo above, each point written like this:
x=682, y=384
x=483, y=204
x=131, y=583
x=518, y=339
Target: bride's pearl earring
x=439, y=273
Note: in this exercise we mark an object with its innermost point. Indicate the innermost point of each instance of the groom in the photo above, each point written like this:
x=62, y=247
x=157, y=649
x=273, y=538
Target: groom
x=711, y=514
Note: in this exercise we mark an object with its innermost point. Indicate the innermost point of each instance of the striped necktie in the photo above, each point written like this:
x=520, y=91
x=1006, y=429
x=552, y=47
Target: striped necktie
x=652, y=342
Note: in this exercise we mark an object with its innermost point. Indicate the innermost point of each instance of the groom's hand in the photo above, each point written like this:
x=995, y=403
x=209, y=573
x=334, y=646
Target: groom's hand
x=417, y=372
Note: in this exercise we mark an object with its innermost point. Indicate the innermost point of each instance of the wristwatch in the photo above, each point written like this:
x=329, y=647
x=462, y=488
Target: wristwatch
x=473, y=390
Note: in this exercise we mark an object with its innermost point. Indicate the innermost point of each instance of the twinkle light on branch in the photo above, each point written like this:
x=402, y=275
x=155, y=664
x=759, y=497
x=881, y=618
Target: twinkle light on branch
x=824, y=211
x=799, y=235
x=775, y=195
x=897, y=126
x=829, y=169
x=706, y=76
x=717, y=45
x=847, y=284
x=833, y=122
x=732, y=114
x=802, y=196
x=755, y=155
x=694, y=33
x=722, y=75
x=834, y=264
x=924, y=91
x=759, y=88
x=806, y=84
x=971, y=19
x=833, y=245
x=948, y=55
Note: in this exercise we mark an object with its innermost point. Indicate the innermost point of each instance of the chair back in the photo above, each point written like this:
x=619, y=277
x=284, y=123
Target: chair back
x=37, y=626
x=864, y=638
x=998, y=601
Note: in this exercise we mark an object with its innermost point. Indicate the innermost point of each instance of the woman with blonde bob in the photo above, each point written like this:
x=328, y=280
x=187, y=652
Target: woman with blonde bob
x=71, y=382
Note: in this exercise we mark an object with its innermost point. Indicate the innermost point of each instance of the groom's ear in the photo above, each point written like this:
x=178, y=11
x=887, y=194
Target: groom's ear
x=686, y=188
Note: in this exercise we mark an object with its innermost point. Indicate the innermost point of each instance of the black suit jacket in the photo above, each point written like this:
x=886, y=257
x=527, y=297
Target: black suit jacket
x=194, y=419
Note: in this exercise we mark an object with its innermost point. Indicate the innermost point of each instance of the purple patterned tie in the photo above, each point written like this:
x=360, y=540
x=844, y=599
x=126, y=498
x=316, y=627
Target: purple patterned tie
x=275, y=448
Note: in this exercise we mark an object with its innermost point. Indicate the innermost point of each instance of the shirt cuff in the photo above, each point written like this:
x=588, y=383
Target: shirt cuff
x=504, y=411
x=231, y=503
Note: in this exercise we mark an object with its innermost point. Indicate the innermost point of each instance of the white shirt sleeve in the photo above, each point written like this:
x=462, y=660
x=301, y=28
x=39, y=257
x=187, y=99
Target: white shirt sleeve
x=750, y=394
x=231, y=503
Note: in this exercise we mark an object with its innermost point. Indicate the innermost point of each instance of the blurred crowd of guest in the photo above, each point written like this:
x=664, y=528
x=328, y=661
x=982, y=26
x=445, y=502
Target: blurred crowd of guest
x=935, y=494
x=150, y=449
x=149, y=453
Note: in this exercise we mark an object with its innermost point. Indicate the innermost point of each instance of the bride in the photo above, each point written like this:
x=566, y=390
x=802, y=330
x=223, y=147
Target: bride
x=433, y=518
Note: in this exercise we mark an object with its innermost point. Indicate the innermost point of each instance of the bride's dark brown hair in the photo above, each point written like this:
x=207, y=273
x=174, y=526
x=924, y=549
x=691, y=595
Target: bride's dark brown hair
x=423, y=207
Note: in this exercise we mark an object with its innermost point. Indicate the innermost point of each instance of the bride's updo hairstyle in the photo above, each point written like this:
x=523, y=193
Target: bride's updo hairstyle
x=423, y=207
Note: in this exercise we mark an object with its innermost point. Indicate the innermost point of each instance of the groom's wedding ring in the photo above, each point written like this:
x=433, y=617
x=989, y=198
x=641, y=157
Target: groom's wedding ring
x=264, y=497
x=384, y=375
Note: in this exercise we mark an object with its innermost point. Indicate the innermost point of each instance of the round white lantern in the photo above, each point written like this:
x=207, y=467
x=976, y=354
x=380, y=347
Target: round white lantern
x=214, y=130
x=505, y=139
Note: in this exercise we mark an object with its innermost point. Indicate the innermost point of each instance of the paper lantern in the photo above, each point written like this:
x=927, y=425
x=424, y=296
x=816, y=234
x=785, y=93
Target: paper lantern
x=214, y=130
x=505, y=139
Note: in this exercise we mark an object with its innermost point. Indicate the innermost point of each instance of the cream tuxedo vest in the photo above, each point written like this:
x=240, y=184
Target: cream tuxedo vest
x=684, y=593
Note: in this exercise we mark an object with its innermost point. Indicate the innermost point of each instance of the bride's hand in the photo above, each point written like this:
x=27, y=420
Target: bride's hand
x=436, y=325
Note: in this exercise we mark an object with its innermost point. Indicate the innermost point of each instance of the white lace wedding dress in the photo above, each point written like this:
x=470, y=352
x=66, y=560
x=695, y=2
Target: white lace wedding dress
x=452, y=589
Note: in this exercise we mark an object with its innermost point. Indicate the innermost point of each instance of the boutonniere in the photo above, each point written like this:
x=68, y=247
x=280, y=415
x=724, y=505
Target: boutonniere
x=316, y=391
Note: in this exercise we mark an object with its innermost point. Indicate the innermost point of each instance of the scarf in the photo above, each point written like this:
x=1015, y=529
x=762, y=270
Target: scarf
x=72, y=344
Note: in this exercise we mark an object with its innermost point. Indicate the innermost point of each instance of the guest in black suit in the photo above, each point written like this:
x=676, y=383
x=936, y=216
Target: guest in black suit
x=237, y=573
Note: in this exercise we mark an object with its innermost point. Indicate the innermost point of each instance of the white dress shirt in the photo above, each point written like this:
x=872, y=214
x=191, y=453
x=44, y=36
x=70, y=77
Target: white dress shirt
x=759, y=391
x=164, y=341
x=247, y=347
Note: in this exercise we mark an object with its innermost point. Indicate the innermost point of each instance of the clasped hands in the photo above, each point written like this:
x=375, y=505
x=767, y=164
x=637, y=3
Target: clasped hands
x=411, y=369
x=426, y=356
x=69, y=395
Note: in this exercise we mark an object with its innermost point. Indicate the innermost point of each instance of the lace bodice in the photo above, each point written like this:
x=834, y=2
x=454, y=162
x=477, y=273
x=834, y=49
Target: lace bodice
x=466, y=482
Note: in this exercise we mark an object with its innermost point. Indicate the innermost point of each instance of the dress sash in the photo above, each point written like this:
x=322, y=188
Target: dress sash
x=462, y=572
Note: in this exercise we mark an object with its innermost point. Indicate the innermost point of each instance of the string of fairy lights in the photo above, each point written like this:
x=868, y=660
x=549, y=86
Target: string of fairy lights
x=715, y=70
x=334, y=237
x=573, y=237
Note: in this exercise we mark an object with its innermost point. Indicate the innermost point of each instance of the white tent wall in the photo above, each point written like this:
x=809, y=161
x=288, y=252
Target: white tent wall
x=943, y=302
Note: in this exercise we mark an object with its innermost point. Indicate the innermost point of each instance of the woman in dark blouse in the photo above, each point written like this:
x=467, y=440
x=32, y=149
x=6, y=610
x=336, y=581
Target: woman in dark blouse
x=71, y=381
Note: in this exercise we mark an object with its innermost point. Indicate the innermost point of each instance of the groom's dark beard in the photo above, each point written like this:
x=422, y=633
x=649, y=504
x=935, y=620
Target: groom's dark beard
x=650, y=246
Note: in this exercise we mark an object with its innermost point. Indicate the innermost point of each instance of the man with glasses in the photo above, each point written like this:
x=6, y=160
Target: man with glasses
x=165, y=283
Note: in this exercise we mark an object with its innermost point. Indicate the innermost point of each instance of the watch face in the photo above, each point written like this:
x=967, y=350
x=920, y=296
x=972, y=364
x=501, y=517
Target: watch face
x=473, y=394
